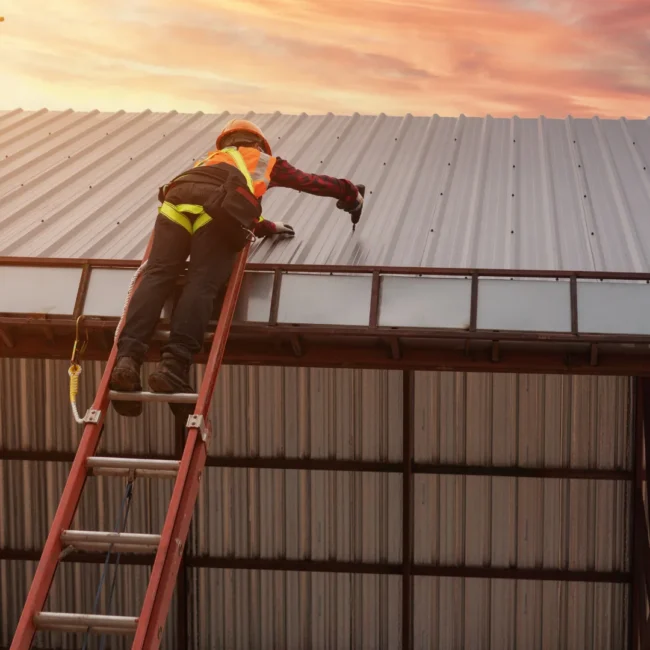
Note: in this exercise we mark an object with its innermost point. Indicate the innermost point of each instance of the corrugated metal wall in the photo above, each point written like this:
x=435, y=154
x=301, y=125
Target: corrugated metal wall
x=460, y=418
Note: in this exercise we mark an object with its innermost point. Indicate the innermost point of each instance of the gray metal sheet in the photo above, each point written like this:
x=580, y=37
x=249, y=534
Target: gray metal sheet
x=37, y=290
x=254, y=302
x=569, y=194
x=325, y=299
x=614, y=307
x=523, y=305
x=519, y=615
x=107, y=291
x=481, y=418
x=424, y=302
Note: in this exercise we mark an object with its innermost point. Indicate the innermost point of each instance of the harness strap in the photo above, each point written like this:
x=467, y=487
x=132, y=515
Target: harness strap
x=175, y=213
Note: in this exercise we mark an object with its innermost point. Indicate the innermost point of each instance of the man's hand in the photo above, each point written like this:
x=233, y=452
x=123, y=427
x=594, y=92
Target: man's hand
x=266, y=228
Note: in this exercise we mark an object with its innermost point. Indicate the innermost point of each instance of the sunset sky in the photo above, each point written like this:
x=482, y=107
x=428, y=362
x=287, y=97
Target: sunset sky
x=477, y=57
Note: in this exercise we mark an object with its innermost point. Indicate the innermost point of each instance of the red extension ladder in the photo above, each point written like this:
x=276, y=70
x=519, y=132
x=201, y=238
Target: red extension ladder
x=149, y=625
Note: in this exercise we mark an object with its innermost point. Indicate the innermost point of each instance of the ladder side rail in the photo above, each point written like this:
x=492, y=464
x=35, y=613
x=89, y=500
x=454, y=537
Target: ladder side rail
x=162, y=582
x=68, y=503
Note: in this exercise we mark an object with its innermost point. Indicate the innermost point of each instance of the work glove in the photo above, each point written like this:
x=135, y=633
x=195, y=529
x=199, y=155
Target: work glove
x=267, y=228
x=353, y=207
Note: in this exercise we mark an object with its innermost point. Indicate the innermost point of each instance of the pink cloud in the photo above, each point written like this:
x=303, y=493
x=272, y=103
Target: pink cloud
x=449, y=56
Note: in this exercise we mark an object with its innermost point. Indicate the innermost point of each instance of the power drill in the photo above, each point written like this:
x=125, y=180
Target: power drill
x=356, y=215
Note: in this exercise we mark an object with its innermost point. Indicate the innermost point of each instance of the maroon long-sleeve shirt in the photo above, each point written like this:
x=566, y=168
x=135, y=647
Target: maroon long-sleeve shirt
x=284, y=174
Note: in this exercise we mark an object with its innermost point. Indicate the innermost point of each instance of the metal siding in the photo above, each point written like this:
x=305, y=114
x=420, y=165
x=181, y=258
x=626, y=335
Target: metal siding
x=264, y=609
x=467, y=191
x=530, y=420
x=74, y=590
x=504, y=614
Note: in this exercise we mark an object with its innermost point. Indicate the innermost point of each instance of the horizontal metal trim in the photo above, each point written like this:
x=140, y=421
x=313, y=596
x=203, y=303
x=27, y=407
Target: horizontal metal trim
x=388, y=352
x=96, y=263
x=346, y=465
x=333, y=566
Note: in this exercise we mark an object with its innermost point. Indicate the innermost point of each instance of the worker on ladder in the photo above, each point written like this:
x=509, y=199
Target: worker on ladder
x=208, y=212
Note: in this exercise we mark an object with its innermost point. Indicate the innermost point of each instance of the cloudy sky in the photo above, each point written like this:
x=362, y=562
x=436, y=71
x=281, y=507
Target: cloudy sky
x=498, y=57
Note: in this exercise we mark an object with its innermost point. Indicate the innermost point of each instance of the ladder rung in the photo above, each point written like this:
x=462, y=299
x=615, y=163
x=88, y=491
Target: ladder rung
x=141, y=467
x=174, y=398
x=82, y=622
x=93, y=540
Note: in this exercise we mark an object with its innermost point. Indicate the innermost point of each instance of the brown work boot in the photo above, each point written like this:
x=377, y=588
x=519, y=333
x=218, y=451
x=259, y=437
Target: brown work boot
x=126, y=377
x=173, y=376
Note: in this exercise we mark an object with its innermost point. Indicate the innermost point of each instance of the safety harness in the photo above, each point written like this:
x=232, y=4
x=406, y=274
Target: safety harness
x=238, y=203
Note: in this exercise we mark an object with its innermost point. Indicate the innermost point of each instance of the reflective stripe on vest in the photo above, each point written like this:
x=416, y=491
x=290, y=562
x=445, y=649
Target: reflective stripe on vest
x=258, y=166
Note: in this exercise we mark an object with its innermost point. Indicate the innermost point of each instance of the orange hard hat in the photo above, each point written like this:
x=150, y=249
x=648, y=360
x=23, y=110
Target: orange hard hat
x=234, y=126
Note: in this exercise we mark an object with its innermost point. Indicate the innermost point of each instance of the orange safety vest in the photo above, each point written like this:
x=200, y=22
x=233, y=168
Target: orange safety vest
x=258, y=164
x=255, y=166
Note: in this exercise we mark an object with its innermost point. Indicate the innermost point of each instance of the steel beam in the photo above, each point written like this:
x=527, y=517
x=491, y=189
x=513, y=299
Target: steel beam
x=275, y=349
x=342, y=465
x=335, y=566
x=408, y=418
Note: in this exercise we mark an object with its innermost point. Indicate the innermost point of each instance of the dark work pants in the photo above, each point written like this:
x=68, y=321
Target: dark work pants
x=212, y=258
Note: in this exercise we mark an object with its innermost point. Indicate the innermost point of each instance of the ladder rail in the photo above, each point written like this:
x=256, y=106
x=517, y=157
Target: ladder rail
x=188, y=471
x=162, y=581
x=68, y=503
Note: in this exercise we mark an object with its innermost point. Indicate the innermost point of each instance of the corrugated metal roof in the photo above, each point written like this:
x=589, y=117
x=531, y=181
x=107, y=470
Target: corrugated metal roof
x=463, y=192
x=528, y=420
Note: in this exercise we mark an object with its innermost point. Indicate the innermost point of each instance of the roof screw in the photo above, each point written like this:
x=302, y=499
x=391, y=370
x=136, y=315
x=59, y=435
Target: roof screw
x=584, y=196
x=513, y=195
x=440, y=193
x=512, y=232
x=513, y=166
x=592, y=233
